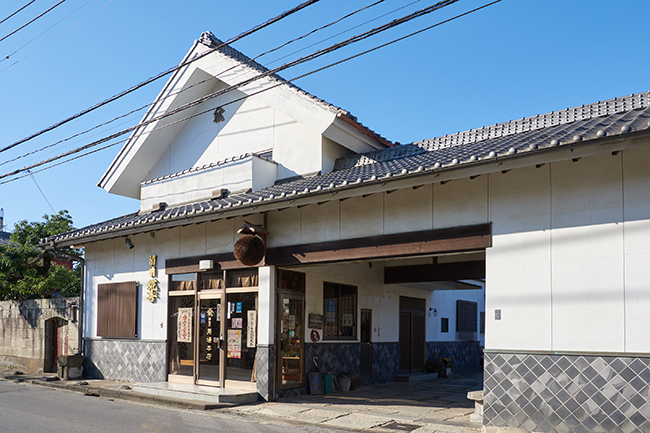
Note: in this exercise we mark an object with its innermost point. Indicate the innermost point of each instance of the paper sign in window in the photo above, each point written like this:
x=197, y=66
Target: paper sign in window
x=184, y=332
x=234, y=343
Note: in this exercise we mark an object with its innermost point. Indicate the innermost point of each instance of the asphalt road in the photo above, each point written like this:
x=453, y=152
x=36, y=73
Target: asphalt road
x=29, y=408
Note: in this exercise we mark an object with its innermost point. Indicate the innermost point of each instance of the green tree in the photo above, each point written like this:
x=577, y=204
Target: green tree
x=27, y=272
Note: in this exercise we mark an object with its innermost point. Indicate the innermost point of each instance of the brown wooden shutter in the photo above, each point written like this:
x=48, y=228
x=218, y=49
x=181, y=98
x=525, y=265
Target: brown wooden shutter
x=117, y=306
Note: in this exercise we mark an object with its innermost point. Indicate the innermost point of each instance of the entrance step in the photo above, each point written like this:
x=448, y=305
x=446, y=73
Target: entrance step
x=205, y=394
x=417, y=377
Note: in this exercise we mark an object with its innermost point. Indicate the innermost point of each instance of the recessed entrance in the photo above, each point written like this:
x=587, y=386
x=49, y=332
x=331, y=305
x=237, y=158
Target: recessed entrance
x=213, y=328
x=291, y=321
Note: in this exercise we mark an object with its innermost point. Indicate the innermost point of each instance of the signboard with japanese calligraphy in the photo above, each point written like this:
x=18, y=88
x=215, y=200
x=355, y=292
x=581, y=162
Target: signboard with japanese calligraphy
x=184, y=325
x=251, y=328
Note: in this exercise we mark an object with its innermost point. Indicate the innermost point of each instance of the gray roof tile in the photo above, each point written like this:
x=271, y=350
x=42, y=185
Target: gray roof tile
x=615, y=117
x=4, y=238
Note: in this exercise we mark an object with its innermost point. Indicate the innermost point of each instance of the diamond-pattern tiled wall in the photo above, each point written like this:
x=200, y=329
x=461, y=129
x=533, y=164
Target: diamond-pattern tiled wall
x=465, y=355
x=385, y=363
x=333, y=357
x=265, y=369
x=127, y=360
x=567, y=393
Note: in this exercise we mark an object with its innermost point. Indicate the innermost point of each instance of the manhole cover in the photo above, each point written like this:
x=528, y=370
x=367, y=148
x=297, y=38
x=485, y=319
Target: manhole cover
x=401, y=426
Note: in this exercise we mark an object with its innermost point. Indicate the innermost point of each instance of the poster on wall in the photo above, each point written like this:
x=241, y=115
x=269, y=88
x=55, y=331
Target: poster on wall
x=234, y=343
x=184, y=333
x=251, y=337
x=237, y=322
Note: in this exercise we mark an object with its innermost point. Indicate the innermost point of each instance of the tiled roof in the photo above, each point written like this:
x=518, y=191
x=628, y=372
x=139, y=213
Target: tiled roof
x=204, y=167
x=4, y=238
x=541, y=122
x=599, y=121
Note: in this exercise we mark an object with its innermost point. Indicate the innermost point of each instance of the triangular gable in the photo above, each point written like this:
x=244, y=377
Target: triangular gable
x=140, y=157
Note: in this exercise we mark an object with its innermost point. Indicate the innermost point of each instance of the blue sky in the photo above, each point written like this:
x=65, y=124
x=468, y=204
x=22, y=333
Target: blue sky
x=514, y=59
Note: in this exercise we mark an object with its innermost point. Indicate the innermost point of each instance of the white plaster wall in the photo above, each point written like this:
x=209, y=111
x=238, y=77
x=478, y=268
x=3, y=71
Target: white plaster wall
x=362, y=217
x=518, y=270
x=570, y=248
x=460, y=202
x=297, y=149
x=249, y=126
x=587, y=254
x=250, y=172
x=444, y=301
x=636, y=197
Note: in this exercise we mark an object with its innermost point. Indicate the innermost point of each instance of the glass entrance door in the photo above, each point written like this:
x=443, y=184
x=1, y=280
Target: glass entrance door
x=291, y=351
x=210, y=340
x=181, y=338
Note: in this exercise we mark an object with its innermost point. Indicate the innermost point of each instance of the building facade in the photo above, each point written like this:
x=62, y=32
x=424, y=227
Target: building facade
x=323, y=241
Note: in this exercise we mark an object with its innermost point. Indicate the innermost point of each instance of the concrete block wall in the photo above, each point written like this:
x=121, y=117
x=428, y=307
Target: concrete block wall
x=22, y=330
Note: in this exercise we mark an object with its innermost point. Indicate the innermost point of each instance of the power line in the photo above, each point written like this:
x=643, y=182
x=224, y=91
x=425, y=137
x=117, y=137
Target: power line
x=31, y=21
x=42, y=193
x=212, y=77
x=230, y=88
x=17, y=11
x=42, y=33
x=164, y=73
x=345, y=31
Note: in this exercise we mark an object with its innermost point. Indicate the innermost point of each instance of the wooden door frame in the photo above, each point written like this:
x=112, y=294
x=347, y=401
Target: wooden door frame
x=278, y=358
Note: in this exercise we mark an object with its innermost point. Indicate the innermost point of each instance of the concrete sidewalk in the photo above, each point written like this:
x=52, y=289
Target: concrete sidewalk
x=438, y=405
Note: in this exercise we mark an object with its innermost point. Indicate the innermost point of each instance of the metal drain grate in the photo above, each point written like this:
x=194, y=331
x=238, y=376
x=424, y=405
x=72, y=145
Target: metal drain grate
x=400, y=426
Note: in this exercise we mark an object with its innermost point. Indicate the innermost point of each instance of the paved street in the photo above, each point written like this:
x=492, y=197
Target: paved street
x=28, y=408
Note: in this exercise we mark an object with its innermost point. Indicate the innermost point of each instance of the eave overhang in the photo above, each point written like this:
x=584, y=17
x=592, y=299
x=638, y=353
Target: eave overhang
x=351, y=186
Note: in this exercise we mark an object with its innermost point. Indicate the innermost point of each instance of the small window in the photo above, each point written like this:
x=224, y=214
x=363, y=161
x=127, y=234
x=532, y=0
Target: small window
x=444, y=324
x=340, y=311
x=243, y=278
x=117, y=306
x=182, y=282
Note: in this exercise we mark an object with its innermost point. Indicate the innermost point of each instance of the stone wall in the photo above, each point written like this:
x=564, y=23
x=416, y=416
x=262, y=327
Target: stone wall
x=25, y=342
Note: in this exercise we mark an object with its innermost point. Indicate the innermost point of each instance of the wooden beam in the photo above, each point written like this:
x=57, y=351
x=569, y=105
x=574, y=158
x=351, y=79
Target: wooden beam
x=455, y=239
x=191, y=264
x=454, y=271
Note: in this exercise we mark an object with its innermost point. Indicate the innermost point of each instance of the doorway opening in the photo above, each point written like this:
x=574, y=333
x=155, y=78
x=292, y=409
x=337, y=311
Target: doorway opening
x=213, y=328
x=291, y=322
x=412, y=332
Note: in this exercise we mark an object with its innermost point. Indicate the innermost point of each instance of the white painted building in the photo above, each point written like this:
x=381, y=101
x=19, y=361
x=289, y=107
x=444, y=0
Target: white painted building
x=371, y=247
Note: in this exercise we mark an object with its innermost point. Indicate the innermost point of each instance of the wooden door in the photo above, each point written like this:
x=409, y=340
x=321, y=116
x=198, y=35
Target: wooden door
x=366, y=344
x=412, y=334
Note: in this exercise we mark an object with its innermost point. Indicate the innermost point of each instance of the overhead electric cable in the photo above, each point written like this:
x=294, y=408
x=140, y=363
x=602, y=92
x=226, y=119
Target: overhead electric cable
x=42, y=193
x=260, y=91
x=164, y=73
x=75, y=135
x=202, y=81
x=31, y=21
x=343, y=32
x=5, y=19
x=200, y=100
x=45, y=31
